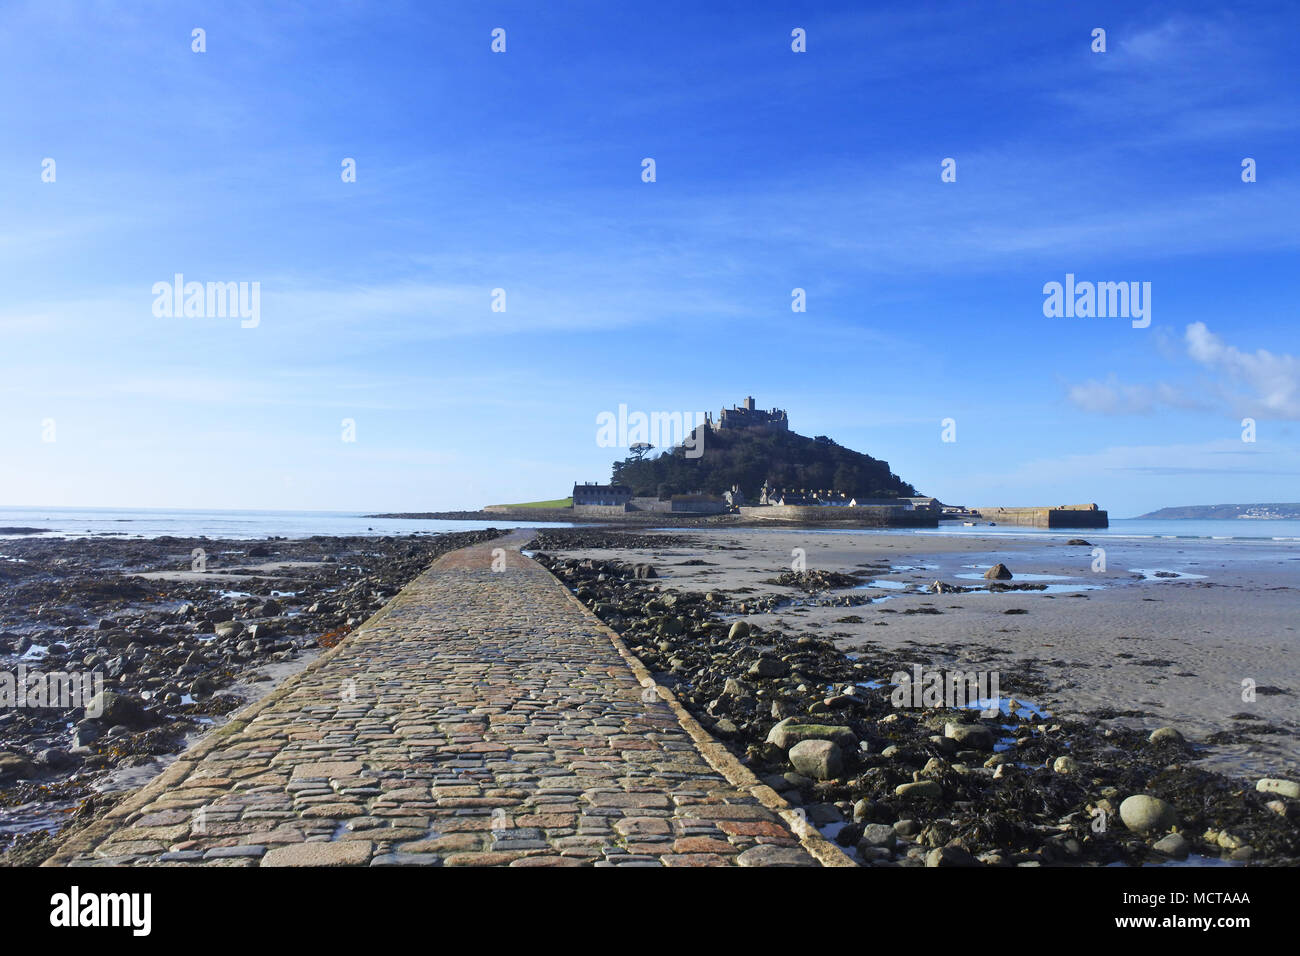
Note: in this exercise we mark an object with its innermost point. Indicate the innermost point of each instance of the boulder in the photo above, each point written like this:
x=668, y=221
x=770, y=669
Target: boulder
x=1166, y=735
x=739, y=630
x=769, y=667
x=113, y=708
x=671, y=626
x=56, y=758
x=879, y=834
x=819, y=759
x=1175, y=846
x=950, y=856
x=86, y=733
x=1284, y=788
x=1143, y=813
x=788, y=733
x=736, y=689
x=919, y=790
x=969, y=736
x=14, y=766
x=999, y=572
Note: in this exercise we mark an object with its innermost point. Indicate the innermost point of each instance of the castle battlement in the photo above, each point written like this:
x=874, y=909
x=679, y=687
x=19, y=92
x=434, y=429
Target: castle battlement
x=747, y=416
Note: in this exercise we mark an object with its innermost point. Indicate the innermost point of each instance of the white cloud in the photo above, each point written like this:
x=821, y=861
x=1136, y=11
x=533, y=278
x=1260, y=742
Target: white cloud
x=1260, y=384
x=1271, y=382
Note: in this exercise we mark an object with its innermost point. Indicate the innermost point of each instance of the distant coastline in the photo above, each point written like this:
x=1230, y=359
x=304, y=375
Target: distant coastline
x=1276, y=511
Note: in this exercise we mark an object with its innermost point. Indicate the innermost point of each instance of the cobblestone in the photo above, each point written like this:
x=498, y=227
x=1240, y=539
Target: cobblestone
x=482, y=718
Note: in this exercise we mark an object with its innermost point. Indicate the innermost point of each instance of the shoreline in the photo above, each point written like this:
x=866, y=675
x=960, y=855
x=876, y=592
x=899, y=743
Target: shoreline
x=716, y=583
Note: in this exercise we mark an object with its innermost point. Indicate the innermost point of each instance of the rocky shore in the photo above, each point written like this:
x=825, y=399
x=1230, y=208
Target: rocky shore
x=916, y=785
x=178, y=642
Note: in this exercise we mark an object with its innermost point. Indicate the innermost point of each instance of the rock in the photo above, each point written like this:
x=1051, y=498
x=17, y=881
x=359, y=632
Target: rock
x=934, y=764
x=788, y=733
x=782, y=709
x=114, y=708
x=919, y=790
x=1175, y=845
x=229, y=629
x=725, y=729
x=1065, y=764
x=950, y=856
x=735, y=689
x=769, y=667
x=879, y=834
x=81, y=740
x=819, y=759
x=271, y=608
x=55, y=758
x=1142, y=813
x=739, y=630
x=849, y=834
x=264, y=629
x=645, y=571
x=1229, y=841
x=1285, y=788
x=86, y=733
x=907, y=828
x=971, y=736
x=1166, y=735
x=1079, y=541
x=671, y=626
x=999, y=572
x=14, y=766
x=824, y=814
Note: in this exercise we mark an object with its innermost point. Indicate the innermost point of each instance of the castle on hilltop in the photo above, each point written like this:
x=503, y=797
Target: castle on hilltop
x=747, y=416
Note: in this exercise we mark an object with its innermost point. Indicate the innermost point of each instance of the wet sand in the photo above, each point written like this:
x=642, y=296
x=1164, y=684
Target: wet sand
x=1156, y=651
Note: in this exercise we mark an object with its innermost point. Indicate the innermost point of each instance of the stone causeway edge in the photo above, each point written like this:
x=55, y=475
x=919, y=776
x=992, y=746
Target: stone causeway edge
x=716, y=755
x=722, y=760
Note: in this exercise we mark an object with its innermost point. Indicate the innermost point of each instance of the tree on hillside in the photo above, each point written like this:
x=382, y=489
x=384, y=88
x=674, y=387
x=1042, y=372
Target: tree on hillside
x=748, y=457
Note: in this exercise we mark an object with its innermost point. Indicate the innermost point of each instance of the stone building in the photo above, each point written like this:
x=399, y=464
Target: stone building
x=589, y=495
x=747, y=416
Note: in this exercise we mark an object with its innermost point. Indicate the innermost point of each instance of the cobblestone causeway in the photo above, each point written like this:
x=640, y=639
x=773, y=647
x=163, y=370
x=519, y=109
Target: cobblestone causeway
x=482, y=718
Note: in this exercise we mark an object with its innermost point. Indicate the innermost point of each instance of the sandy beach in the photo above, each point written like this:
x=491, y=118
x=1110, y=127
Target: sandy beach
x=1120, y=644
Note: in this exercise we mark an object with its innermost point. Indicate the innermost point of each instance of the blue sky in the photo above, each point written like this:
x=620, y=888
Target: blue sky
x=522, y=171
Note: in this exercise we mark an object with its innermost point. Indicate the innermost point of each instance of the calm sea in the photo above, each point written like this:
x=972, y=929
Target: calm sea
x=155, y=522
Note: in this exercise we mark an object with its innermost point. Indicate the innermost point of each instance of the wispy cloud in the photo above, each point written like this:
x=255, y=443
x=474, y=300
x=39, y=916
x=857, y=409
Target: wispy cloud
x=1259, y=384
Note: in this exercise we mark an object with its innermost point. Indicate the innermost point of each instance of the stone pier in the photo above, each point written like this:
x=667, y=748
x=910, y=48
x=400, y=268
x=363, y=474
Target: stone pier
x=483, y=717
